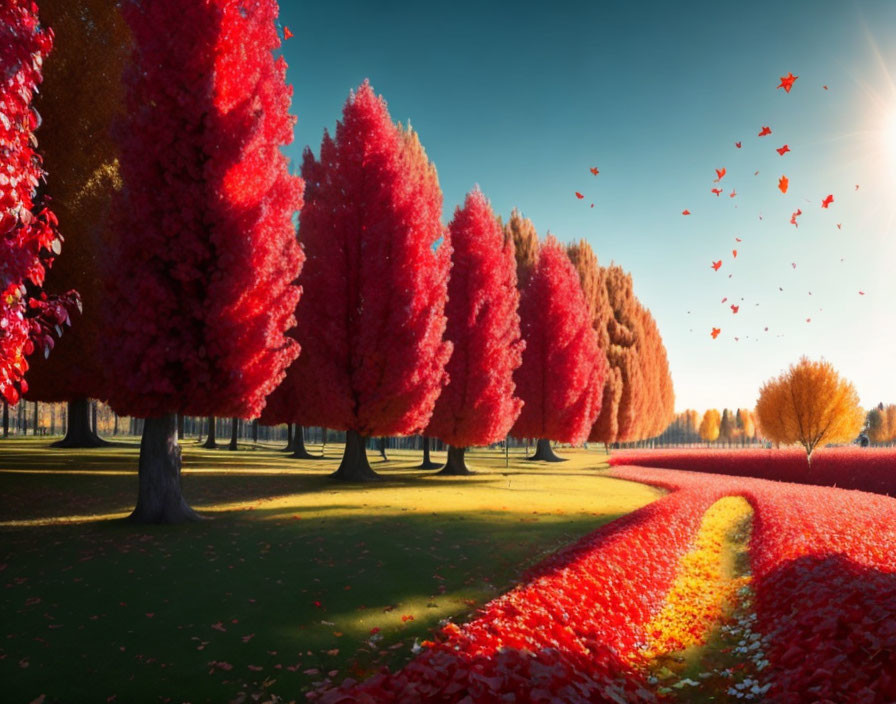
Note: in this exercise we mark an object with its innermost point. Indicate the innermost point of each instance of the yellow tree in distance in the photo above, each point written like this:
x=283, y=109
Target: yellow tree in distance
x=811, y=405
x=710, y=425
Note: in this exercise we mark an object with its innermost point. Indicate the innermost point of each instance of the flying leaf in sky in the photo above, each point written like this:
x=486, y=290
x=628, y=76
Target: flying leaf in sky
x=794, y=216
x=783, y=150
x=734, y=253
x=579, y=195
x=787, y=82
x=738, y=239
x=720, y=174
x=685, y=212
x=715, y=332
x=827, y=201
x=783, y=183
x=861, y=293
x=738, y=145
x=839, y=225
x=717, y=191
x=717, y=265
x=765, y=131
x=733, y=193
x=287, y=34
x=734, y=308
x=594, y=170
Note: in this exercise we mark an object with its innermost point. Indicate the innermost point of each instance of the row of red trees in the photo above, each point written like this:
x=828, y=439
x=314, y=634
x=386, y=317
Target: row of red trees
x=377, y=321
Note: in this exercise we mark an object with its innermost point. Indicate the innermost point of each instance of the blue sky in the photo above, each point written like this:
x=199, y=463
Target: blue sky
x=523, y=98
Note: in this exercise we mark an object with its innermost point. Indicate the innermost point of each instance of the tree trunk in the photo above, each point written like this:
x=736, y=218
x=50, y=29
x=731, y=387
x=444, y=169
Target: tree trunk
x=427, y=463
x=456, y=466
x=544, y=452
x=289, y=439
x=298, y=446
x=36, y=418
x=234, y=430
x=255, y=431
x=355, y=466
x=93, y=418
x=78, y=432
x=5, y=419
x=181, y=427
x=160, y=499
x=210, y=442
x=381, y=446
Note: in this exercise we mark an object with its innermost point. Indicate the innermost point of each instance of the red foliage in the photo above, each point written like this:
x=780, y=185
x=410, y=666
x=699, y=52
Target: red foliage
x=372, y=312
x=825, y=584
x=562, y=375
x=866, y=469
x=478, y=407
x=205, y=260
x=28, y=235
x=568, y=633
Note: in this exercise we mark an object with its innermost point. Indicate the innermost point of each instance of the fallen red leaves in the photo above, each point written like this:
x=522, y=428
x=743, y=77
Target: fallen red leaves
x=866, y=469
x=571, y=632
x=825, y=582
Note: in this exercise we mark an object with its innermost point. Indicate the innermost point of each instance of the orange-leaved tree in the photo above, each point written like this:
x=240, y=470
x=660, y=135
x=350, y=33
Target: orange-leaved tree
x=809, y=404
x=710, y=425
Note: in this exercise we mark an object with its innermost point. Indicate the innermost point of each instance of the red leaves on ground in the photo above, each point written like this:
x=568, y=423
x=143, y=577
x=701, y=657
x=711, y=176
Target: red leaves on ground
x=570, y=632
x=824, y=578
x=865, y=469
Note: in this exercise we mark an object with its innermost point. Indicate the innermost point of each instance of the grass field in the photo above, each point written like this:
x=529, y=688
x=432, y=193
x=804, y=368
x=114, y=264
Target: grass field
x=292, y=578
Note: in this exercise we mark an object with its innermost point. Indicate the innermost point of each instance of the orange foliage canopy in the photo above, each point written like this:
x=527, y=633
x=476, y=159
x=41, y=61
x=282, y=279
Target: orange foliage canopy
x=525, y=245
x=710, y=425
x=78, y=107
x=811, y=405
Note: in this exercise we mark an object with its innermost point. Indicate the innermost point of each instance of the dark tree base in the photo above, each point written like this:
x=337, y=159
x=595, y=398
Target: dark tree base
x=456, y=465
x=355, y=466
x=79, y=432
x=545, y=453
x=299, y=452
x=427, y=463
x=289, y=439
x=160, y=499
x=211, y=442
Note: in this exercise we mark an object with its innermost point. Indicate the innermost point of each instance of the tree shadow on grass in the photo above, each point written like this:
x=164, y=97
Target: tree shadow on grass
x=236, y=590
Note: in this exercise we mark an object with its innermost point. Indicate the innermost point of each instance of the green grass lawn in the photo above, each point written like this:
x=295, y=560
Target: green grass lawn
x=292, y=578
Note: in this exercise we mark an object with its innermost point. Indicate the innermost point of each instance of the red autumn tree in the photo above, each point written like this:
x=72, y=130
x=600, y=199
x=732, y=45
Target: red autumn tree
x=28, y=235
x=82, y=158
x=205, y=256
x=561, y=378
x=478, y=406
x=373, y=307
